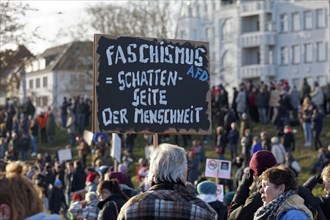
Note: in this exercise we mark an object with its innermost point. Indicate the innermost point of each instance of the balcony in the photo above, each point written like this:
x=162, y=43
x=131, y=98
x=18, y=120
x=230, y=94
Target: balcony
x=255, y=39
x=255, y=7
x=257, y=71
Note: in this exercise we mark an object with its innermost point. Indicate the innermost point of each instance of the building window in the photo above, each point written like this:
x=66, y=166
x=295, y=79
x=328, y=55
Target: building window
x=182, y=34
x=284, y=23
x=320, y=18
x=44, y=81
x=270, y=56
x=38, y=83
x=189, y=11
x=320, y=48
x=284, y=56
x=296, y=54
x=45, y=101
x=308, y=20
x=295, y=21
x=31, y=83
x=197, y=11
x=308, y=53
x=227, y=30
x=42, y=101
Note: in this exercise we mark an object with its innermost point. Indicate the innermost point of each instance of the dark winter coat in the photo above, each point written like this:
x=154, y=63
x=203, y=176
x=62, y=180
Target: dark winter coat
x=262, y=100
x=56, y=199
x=108, y=207
x=78, y=179
x=220, y=209
x=322, y=201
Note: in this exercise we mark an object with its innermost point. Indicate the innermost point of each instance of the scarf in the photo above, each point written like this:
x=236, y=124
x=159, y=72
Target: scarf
x=268, y=212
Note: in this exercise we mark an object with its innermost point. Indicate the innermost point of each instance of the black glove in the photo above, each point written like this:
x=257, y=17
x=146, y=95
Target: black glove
x=248, y=177
x=312, y=181
x=243, y=190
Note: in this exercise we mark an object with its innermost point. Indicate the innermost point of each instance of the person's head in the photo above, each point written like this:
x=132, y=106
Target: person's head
x=207, y=188
x=233, y=125
x=168, y=164
x=18, y=196
x=255, y=139
x=219, y=130
x=263, y=135
x=107, y=188
x=122, y=168
x=326, y=178
x=275, y=181
x=275, y=140
x=93, y=177
x=247, y=131
x=90, y=197
x=58, y=183
x=306, y=102
x=261, y=160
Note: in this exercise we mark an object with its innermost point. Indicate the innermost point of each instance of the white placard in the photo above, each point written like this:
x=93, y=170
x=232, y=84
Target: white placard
x=220, y=192
x=116, y=147
x=218, y=168
x=64, y=155
x=88, y=137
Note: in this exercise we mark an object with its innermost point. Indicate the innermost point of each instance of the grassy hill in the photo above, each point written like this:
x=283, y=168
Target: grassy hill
x=305, y=156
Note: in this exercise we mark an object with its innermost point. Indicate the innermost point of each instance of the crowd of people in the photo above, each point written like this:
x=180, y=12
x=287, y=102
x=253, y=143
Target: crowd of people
x=169, y=182
x=267, y=191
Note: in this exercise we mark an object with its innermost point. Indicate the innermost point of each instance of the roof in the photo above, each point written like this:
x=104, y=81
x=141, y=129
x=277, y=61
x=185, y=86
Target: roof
x=12, y=60
x=74, y=56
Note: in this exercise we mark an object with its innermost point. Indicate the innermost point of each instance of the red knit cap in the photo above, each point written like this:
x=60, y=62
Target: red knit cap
x=262, y=160
x=91, y=176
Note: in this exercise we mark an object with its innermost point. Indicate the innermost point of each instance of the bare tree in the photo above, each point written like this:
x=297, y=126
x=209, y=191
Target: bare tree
x=12, y=27
x=137, y=18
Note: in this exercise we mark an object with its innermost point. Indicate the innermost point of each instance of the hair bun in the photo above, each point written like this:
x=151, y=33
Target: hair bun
x=15, y=168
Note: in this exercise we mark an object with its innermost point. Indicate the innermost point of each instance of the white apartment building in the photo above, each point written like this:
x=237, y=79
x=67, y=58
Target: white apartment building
x=261, y=40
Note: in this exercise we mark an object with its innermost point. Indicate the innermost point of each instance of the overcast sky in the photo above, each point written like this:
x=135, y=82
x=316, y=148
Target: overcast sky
x=50, y=17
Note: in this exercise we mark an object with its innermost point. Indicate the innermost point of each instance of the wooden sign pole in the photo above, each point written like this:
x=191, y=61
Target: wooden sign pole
x=155, y=139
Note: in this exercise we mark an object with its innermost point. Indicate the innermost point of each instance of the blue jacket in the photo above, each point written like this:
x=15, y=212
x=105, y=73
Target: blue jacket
x=293, y=214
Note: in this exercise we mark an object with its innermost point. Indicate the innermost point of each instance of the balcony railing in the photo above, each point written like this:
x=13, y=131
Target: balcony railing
x=257, y=71
x=257, y=38
x=249, y=8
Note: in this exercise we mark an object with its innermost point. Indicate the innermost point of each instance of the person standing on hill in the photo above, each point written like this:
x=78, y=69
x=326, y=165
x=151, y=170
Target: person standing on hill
x=42, y=122
x=71, y=128
x=34, y=130
x=51, y=127
x=241, y=101
x=306, y=120
x=317, y=97
x=305, y=90
x=64, y=112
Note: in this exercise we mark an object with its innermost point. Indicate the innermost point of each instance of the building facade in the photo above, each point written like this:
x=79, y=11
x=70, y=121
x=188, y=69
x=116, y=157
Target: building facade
x=253, y=40
x=61, y=71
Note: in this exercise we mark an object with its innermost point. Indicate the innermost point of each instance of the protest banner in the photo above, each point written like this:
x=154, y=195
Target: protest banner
x=64, y=155
x=88, y=137
x=144, y=85
x=218, y=168
x=116, y=147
